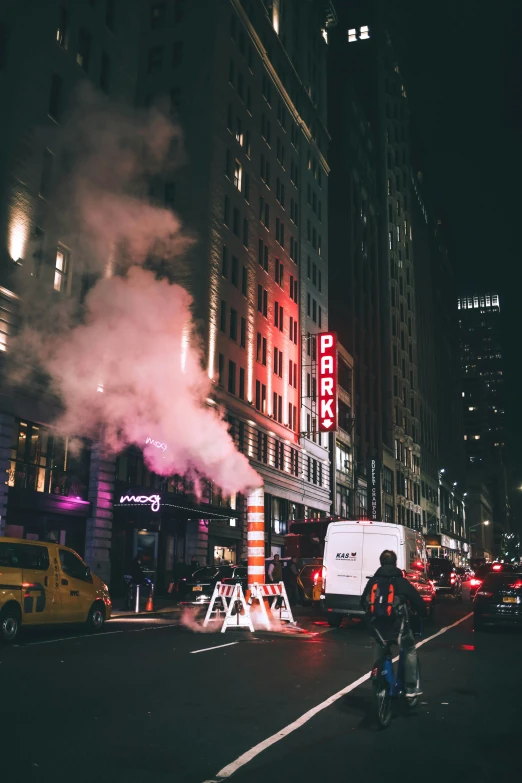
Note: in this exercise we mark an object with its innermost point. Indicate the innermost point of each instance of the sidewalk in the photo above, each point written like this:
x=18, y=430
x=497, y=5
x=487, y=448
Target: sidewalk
x=162, y=605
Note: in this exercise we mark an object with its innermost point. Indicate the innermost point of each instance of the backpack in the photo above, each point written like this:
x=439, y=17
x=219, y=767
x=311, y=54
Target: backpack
x=382, y=600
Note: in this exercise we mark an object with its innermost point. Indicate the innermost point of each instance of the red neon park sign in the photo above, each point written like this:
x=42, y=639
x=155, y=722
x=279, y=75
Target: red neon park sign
x=327, y=342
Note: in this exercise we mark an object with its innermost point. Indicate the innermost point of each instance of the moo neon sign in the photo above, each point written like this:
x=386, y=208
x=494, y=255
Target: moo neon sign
x=327, y=343
x=141, y=500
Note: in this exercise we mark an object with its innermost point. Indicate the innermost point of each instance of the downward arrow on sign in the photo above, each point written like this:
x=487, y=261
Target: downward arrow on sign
x=327, y=423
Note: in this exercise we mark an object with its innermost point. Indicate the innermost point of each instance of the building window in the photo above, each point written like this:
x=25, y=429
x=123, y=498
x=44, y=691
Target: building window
x=221, y=369
x=243, y=333
x=55, y=97
x=157, y=14
x=235, y=222
x=241, y=385
x=61, y=31
x=226, y=212
x=233, y=324
x=61, y=270
x=244, y=281
x=232, y=377
x=223, y=316
x=155, y=59
x=245, y=232
x=238, y=175
x=43, y=462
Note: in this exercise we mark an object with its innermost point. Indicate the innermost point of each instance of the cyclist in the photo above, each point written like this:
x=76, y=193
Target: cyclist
x=393, y=625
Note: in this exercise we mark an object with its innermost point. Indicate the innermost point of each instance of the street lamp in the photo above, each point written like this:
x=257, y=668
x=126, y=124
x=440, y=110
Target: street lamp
x=486, y=522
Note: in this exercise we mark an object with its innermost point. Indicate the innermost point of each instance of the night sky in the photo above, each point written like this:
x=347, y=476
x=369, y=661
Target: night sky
x=462, y=65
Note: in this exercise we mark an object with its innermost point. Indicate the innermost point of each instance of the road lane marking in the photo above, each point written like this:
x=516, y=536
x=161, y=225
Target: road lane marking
x=229, y=770
x=217, y=647
x=97, y=636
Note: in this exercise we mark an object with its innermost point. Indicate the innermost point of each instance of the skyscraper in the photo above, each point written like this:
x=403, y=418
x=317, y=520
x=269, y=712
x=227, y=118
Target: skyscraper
x=365, y=51
x=483, y=401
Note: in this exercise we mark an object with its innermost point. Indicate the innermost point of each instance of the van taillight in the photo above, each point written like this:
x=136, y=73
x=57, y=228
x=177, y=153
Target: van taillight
x=323, y=579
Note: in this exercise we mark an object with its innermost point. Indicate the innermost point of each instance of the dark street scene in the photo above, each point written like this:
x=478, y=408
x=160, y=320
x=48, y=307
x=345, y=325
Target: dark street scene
x=261, y=517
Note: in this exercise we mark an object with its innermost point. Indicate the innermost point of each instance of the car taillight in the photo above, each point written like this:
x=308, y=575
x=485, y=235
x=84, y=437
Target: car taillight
x=316, y=577
x=497, y=567
x=484, y=593
x=516, y=585
x=475, y=582
x=323, y=579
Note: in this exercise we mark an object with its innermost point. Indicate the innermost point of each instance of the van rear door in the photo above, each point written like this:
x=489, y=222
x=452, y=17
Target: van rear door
x=376, y=540
x=345, y=552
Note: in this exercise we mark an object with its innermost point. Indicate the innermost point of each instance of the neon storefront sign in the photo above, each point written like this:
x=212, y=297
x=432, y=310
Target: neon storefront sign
x=141, y=500
x=157, y=443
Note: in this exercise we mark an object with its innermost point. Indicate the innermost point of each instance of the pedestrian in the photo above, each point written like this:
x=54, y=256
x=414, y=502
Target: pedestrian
x=137, y=573
x=194, y=564
x=291, y=576
x=275, y=570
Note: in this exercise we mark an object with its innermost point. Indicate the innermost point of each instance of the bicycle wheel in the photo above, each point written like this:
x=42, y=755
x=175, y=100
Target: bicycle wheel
x=382, y=699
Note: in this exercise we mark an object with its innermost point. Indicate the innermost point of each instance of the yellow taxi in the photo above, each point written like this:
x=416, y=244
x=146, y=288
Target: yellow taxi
x=43, y=583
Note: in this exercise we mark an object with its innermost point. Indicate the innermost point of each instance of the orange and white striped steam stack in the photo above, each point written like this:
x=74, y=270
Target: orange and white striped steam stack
x=256, y=536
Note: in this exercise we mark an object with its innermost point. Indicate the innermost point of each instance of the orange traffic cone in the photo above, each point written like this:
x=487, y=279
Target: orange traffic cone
x=150, y=604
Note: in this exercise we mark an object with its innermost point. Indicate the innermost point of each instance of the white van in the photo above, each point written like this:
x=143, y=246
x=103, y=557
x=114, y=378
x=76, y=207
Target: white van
x=351, y=555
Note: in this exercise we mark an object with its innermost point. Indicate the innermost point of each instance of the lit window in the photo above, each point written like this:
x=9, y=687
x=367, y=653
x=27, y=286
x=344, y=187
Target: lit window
x=61, y=270
x=365, y=32
x=238, y=174
x=352, y=35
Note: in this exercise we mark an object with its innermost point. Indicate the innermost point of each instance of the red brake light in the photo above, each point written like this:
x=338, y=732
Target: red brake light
x=475, y=582
x=516, y=585
x=497, y=567
x=484, y=593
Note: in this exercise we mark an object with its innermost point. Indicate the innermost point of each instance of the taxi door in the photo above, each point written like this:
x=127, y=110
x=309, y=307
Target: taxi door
x=40, y=596
x=76, y=587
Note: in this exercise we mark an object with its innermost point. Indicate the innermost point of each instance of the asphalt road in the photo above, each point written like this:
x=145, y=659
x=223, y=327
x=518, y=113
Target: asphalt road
x=145, y=700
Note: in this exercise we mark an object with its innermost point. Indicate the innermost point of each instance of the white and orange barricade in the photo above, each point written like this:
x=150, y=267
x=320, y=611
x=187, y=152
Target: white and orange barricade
x=221, y=596
x=277, y=600
x=237, y=611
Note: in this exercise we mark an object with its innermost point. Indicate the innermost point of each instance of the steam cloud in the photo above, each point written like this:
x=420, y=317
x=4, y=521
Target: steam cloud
x=126, y=365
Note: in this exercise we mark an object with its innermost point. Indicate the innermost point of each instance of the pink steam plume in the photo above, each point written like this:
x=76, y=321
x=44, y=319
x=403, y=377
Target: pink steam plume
x=131, y=343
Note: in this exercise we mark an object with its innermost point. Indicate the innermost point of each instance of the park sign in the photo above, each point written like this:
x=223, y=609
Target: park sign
x=327, y=371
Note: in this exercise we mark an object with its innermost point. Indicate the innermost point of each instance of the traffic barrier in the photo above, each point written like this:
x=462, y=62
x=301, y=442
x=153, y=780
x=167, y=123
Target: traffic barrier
x=220, y=595
x=277, y=599
x=238, y=611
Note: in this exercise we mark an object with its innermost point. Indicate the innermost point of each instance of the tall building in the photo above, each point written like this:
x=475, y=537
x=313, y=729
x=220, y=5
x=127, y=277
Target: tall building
x=354, y=293
x=483, y=400
x=50, y=492
x=246, y=83
x=365, y=51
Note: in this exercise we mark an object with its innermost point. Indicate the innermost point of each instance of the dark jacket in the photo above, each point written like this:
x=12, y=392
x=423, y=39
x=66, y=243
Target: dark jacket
x=403, y=589
x=137, y=575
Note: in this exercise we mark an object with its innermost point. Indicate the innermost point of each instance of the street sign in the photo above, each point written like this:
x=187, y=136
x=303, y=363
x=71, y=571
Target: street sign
x=327, y=371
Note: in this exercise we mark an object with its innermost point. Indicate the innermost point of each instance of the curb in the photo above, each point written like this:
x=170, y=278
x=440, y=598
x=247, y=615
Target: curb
x=130, y=613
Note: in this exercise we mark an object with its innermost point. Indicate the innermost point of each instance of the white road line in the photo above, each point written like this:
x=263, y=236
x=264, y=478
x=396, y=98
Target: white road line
x=217, y=647
x=229, y=770
x=97, y=635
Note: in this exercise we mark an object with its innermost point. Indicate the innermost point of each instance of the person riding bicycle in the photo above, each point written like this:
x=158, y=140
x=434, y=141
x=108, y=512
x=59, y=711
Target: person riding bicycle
x=391, y=621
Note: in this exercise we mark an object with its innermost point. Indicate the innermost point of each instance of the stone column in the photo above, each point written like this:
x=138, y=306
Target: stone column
x=98, y=537
x=7, y=424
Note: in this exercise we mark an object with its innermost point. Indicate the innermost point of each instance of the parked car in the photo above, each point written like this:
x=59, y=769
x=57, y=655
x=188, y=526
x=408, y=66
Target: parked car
x=425, y=587
x=483, y=571
x=198, y=589
x=47, y=584
x=499, y=599
x=444, y=577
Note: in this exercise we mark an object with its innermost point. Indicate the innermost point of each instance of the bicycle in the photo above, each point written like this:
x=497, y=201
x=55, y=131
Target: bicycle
x=388, y=685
